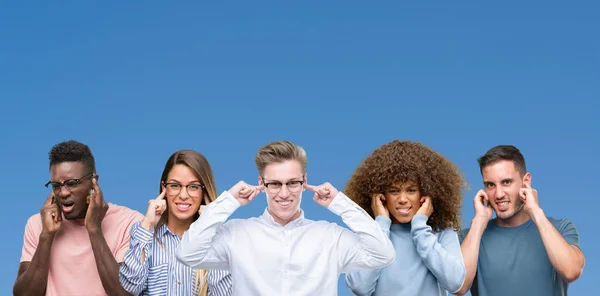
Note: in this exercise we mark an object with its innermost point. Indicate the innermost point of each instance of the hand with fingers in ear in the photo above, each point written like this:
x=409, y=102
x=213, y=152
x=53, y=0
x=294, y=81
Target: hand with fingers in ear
x=51, y=216
x=324, y=193
x=97, y=209
x=529, y=196
x=481, y=203
x=426, y=206
x=245, y=193
x=156, y=207
x=378, y=205
x=206, y=202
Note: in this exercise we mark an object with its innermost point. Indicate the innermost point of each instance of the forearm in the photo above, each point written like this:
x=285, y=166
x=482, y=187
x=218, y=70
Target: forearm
x=442, y=258
x=34, y=280
x=567, y=260
x=376, y=249
x=107, y=266
x=133, y=273
x=200, y=246
x=470, y=252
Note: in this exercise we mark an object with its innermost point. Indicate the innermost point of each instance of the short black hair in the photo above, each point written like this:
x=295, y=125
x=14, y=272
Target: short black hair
x=72, y=151
x=503, y=152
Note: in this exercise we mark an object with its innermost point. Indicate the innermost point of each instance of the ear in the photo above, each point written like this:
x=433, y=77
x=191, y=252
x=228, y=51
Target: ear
x=260, y=181
x=527, y=179
x=305, y=181
x=96, y=176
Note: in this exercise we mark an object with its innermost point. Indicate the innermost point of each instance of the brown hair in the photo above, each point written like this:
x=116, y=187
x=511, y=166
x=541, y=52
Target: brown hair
x=503, y=152
x=402, y=161
x=277, y=152
x=203, y=171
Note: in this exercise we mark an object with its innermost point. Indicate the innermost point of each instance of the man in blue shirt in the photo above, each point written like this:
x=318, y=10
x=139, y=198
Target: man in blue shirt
x=521, y=251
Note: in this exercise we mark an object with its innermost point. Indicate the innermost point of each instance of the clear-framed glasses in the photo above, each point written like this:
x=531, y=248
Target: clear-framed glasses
x=69, y=184
x=194, y=189
x=293, y=186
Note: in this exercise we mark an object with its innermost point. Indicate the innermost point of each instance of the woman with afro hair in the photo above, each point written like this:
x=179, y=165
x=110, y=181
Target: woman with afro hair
x=414, y=194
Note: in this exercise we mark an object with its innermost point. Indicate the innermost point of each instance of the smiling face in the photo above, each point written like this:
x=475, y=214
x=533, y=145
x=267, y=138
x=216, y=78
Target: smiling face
x=72, y=200
x=184, y=193
x=283, y=187
x=402, y=201
x=502, y=183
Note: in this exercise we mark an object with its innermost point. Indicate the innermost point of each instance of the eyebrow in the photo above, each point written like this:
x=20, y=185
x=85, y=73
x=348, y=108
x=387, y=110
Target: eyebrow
x=174, y=180
x=277, y=181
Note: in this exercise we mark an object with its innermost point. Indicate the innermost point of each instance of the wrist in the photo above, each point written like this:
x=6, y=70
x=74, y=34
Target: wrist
x=146, y=224
x=94, y=229
x=536, y=214
x=45, y=235
x=479, y=223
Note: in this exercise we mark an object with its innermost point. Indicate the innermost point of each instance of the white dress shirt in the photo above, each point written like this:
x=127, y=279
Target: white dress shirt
x=304, y=257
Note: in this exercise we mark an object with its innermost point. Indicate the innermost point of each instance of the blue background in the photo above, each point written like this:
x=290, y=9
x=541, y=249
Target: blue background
x=139, y=80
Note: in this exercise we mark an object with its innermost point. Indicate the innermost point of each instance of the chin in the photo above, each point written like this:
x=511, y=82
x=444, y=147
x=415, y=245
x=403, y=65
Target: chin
x=184, y=216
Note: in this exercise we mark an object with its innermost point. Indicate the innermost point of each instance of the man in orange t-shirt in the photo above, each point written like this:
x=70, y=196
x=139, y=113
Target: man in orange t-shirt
x=75, y=244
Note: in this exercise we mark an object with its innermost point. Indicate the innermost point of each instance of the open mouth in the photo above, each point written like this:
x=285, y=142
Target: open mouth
x=183, y=207
x=503, y=205
x=67, y=207
x=404, y=211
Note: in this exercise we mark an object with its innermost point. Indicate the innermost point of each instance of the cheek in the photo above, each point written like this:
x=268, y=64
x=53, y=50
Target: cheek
x=416, y=202
x=389, y=202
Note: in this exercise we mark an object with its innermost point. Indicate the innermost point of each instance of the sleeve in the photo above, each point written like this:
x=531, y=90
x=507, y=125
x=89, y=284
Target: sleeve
x=133, y=273
x=444, y=258
x=134, y=217
x=364, y=282
x=568, y=231
x=366, y=246
x=219, y=283
x=205, y=244
x=31, y=238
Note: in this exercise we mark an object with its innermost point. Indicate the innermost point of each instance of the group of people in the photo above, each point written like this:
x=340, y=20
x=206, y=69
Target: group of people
x=401, y=207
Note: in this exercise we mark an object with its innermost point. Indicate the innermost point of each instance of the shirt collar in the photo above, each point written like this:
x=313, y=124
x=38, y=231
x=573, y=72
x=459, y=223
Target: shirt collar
x=163, y=230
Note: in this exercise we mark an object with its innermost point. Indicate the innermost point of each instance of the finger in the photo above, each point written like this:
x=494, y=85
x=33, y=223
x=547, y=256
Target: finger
x=375, y=198
x=260, y=187
x=523, y=193
x=161, y=196
x=310, y=187
x=97, y=193
x=49, y=200
x=255, y=192
x=527, y=185
x=323, y=191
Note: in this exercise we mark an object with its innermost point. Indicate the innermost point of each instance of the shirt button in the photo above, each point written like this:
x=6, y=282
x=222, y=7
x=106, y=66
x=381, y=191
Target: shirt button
x=179, y=283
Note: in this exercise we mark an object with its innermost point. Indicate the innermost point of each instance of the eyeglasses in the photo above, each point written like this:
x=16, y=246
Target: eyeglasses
x=70, y=184
x=173, y=189
x=293, y=186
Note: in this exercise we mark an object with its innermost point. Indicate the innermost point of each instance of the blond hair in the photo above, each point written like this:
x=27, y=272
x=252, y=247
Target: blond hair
x=278, y=152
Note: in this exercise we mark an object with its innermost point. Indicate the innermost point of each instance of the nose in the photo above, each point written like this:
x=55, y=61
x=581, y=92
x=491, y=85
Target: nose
x=63, y=192
x=403, y=198
x=183, y=194
x=498, y=193
x=284, y=192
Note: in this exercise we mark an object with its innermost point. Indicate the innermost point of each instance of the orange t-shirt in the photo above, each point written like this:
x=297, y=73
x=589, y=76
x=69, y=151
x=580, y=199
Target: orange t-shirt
x=72, y=270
